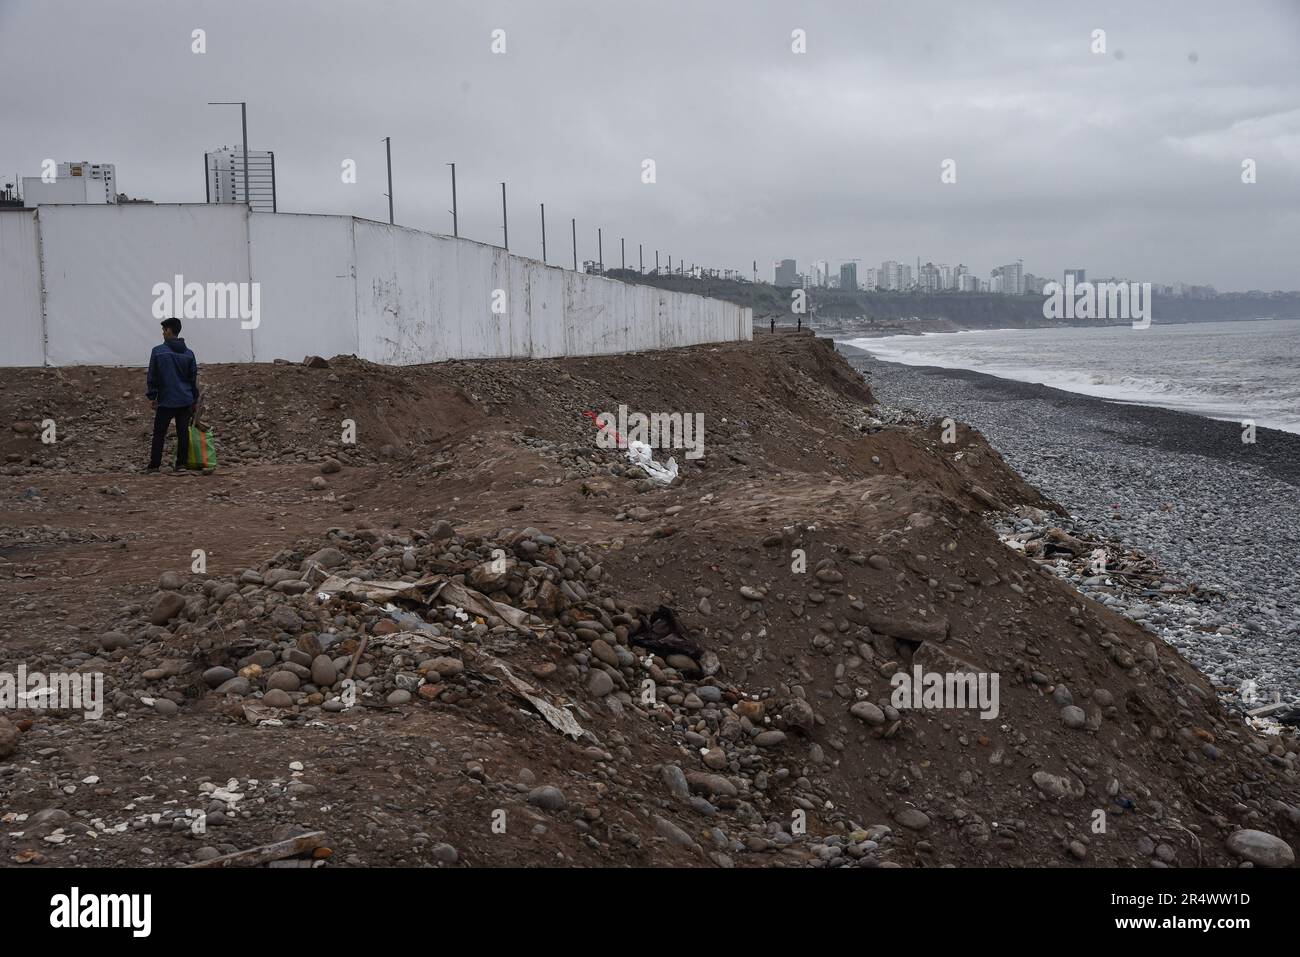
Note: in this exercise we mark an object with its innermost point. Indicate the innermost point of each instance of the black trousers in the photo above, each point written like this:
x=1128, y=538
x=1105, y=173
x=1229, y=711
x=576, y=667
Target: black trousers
x=162, y=418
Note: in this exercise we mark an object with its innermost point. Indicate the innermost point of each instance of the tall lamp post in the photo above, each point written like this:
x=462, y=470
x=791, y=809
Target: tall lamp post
x=243, y=116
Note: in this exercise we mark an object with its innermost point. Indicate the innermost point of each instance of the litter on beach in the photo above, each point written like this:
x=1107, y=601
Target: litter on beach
x=639, y=454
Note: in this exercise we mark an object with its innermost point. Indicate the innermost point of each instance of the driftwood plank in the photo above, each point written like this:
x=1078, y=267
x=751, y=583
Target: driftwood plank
x=267, y=852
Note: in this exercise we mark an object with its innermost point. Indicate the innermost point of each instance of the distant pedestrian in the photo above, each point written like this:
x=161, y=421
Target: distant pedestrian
x=173, y=392
x=773, y=317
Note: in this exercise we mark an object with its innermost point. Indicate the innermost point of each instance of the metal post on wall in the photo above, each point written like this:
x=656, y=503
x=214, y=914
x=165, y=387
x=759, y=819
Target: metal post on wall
x=575, y=244
x=388, y=150
x=600, y=252
x=505, y=224
x=243, y=118
x=455, y=225
x=543, y=234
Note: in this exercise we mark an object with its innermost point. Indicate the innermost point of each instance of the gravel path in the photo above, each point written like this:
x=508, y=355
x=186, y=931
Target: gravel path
x=1182, y=488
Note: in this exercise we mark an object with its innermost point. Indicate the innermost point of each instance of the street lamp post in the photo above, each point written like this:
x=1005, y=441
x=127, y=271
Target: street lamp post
x=243, y=118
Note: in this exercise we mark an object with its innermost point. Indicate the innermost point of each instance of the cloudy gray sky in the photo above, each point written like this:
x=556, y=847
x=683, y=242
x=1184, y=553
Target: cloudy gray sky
x=1125, y=163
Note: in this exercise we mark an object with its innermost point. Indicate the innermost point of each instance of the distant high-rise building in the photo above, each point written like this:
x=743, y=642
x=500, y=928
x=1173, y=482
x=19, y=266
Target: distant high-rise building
x=904, y=276
x=785, y=273
x=930, y=278
x=225, y=176
x=889, y=275
x=1080, y=275
x=1034, y=285
x=73, y=183
x=873, y=278
x=821, y=273
x=1011, y=279
x=849, y=276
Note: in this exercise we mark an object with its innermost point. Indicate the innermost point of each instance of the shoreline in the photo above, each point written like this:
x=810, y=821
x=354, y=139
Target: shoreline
x=945, y=327
x=1283, y=457
x=1178, y=486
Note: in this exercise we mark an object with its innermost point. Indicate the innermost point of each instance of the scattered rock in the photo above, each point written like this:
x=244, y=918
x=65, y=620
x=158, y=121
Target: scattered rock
x=1261, y=848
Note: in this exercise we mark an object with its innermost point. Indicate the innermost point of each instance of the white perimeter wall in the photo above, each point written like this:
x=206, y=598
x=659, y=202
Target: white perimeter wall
x=77, y=287
x=22, y=337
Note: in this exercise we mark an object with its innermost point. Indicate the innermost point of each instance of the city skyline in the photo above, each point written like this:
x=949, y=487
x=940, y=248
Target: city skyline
x=946, y=277
x=1053, y=151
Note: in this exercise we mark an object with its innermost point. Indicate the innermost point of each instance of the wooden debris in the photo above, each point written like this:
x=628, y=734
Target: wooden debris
x=278, y=851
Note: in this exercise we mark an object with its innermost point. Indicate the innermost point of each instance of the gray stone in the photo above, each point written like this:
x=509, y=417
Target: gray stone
x=323, y=672
x=284, y=680
x=112, y=640
x=166, y=606
x=675, y=781
x=548, y=798
x=1261, y=848
x=1073, y=716
x=326, y=558
x=868, y=712
x=599, y=683
x=217, y=676
x=1057, y=786
x=670, y=831
x=238, y=685
x=286, y=619
x=706, y=783
x=912, y=819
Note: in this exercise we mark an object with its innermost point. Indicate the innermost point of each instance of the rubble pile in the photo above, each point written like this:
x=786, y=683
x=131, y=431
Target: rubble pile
x=1134, y=585
x=482, y=640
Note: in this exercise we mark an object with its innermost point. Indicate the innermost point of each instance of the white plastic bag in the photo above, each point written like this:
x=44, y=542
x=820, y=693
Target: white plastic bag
x=639, y=454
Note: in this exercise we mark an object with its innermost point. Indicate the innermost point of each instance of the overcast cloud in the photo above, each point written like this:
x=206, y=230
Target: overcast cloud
x=1126, y=163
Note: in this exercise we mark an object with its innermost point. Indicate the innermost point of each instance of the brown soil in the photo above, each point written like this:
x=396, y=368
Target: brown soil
x=901, y=569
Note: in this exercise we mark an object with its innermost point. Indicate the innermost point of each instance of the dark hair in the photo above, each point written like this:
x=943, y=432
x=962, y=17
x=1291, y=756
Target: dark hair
x=173, y=324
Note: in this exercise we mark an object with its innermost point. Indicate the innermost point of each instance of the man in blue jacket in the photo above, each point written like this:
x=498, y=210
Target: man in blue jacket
x=173, y=391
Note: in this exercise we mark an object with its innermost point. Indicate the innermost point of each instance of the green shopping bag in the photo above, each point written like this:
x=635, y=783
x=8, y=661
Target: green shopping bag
x=202, y=451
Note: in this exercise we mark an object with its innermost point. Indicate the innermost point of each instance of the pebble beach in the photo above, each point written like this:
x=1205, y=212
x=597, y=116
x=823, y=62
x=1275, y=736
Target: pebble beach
x=1184, y=489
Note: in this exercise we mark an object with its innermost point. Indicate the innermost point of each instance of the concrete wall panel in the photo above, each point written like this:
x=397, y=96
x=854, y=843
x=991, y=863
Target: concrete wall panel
x=303, y=266
x=100, y=265
x=326, y=285
x=22, y=334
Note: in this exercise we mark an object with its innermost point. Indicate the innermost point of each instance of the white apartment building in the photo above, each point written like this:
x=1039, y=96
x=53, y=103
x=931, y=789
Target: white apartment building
x=73, y=183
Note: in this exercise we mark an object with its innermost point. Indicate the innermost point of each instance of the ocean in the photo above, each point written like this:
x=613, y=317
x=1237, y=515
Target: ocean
x=1224, y=370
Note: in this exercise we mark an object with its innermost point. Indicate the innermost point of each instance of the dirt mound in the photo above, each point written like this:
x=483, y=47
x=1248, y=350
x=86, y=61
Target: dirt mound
x=476, y=637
